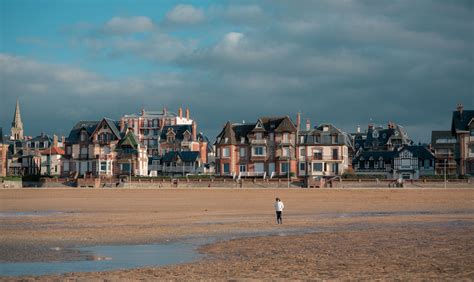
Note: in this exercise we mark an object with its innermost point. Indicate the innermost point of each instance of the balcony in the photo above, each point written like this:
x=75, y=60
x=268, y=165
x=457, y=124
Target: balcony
x=258, y=141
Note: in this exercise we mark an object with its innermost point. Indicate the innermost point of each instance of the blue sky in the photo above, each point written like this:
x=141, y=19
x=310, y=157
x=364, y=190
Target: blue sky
x=339, y=61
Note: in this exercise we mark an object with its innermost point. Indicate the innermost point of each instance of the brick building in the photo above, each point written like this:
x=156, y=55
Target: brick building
x=266, y=148
x=99, y=148
x=323, y=151
x=462, y=127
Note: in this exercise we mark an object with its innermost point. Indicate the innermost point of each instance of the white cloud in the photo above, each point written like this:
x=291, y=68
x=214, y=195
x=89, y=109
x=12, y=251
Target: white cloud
x=119, y=25
x=185, y=14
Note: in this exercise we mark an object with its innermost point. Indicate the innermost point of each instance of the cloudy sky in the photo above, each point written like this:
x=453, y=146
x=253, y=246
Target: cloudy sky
x=338, y=61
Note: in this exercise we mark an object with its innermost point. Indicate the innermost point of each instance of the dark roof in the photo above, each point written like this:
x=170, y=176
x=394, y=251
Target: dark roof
x=325, y=136
x=89, y=126
x=460, y=122
x=234, y=132
x=1, y=136
x=178, y=130
x=418, y=151
x=41, y=138
x=185, y=156
x=129, y=139
x=114, y=126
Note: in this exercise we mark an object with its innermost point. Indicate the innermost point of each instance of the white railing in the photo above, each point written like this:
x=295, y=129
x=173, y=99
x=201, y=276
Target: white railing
x=253, y=174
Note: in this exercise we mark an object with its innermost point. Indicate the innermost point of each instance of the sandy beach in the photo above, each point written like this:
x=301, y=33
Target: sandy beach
x=327, y=233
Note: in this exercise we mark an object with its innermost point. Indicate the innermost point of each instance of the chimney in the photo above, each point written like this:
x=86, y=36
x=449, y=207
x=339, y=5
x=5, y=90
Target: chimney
x=298, y=121
x=308, y=124
x=143, y=111
x=460, y=109
x=371, y=127
x=187, y=113
x=63, y=140
x=194, y=131
x=180, y=112
x=358, y=129
x=122, y=125
x=165, y=111
x=55, y=140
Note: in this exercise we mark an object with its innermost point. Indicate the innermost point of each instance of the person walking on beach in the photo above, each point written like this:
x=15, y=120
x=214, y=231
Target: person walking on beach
x=279, y=208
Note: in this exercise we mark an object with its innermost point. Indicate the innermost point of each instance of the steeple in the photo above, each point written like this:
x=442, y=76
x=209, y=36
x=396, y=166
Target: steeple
x=17, y=125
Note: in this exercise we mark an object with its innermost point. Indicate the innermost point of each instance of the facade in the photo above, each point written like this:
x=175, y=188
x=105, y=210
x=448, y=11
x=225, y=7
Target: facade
x=407, y=162
x=266, y=148
x=148, y=126
x=444, y=146
x=381, y=139
x=323, y=151
x=31, y=154
x=181, y=138
x=462, y=127
x=17, y=124
x=184, y=162
x=3, y=155
x=100, y=149
x=51, y=161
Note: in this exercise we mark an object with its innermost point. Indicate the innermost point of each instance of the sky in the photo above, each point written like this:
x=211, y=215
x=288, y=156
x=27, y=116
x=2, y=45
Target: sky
x=343, y=62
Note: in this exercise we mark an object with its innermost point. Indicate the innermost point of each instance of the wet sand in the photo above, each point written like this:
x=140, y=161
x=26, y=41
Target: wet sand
x=327, y=234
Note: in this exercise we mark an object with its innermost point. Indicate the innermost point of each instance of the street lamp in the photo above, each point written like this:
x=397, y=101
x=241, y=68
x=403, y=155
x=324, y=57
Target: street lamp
x=288, y=171
x=130, y=173
x=445, y=173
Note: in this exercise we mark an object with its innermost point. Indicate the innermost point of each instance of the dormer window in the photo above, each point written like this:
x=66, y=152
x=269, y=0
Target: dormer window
x=325, y=128
x=242, y=140
x=375, y=134
x=226, y=140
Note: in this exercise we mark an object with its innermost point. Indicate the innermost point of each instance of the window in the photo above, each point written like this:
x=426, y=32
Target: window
x=83, y=137
x=317, y=167
x=471, y=149
x=472, y=131
x=335, y=139
x=66, y=166
x=406, y=163
x=301, y=139
x=103, y=166
x=271, y=137
x=302, y=166
x=242, y=152
x=335, y=154
x=225, y=168
x=226, y=140
x=335, y=168
x=285, y=137
x=302, y=152
x=258, y=151
x=284, y=168
x=285, y=152
x=258, y=135
x=427, y=164
x=242, y=140
x=68, y=150
x=225, y=152
x=243, y=168
x=84, y=151
x=318, y=154
x=125, y=167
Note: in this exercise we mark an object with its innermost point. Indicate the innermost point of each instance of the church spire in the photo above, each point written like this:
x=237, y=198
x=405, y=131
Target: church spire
x=17, y=125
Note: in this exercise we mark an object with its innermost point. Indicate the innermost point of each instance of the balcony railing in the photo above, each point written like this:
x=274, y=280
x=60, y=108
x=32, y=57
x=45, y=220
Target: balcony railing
x=258, y=141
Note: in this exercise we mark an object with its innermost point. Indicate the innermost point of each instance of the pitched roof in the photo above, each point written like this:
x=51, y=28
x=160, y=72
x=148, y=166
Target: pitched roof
x=89, y=126
x=460, y=122
x=418, y=151
x=234, y=132
x=441, y=134
x=179, y=130
x=325, y=136
x=53, y=151
x=129, y=139
x=185, y=156
x=41, y=138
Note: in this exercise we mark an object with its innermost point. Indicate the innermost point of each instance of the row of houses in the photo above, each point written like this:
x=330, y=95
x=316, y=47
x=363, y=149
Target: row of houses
x=155, y=143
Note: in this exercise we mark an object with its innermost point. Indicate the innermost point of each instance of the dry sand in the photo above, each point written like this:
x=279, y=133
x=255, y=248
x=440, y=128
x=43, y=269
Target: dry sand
x=327, y=233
